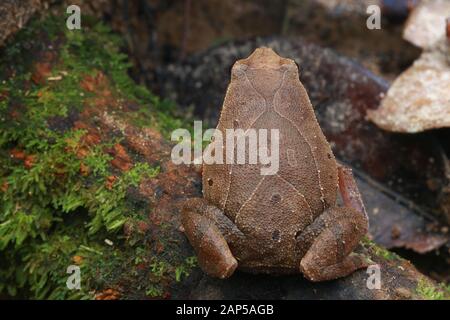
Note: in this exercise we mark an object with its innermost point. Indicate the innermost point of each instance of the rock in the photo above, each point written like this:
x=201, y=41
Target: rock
x=403, y=293
x=349, y=6
x=14, y=14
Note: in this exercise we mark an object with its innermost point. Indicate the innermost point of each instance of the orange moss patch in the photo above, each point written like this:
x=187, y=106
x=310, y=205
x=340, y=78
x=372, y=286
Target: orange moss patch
x=17, y=154
x=122, y=160
x=29, y=161
x=41, y=71
x=4, y=186
x=108, y=294
x=110, y=182
x=77, y=260
x=84, y=170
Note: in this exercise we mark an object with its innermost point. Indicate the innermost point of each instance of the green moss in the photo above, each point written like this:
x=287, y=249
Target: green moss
x=385, y=254
x=184, y=269
x=50, y=211
x=429, y=291
x=378, y=250
x=154, y=291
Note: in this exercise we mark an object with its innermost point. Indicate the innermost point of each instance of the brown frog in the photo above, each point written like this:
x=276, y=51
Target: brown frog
x=286, y=222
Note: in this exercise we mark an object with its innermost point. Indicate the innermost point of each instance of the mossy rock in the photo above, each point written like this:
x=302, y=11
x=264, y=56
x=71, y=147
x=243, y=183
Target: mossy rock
x=78, y=139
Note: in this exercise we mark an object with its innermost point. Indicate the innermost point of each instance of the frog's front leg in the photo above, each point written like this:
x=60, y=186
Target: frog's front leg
x=209, y=231
x=335, y=234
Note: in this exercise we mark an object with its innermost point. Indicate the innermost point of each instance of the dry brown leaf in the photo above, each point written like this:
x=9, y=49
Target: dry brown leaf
x=419, y=99
x=427, y=23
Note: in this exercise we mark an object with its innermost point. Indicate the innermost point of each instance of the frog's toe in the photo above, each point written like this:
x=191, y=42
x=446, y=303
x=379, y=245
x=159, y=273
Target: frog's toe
x=349, y=264
x=228, y=268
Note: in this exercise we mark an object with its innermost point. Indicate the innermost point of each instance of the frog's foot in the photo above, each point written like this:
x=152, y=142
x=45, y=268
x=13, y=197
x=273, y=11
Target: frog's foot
x=333, y=236
x=208, y=230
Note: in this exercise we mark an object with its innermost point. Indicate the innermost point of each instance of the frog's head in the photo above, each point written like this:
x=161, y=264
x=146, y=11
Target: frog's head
x=265, y=69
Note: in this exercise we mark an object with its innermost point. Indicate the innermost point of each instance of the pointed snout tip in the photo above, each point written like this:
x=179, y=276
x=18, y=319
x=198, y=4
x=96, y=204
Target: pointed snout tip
x=262, y=56
x=265, y=57
x=265, y=51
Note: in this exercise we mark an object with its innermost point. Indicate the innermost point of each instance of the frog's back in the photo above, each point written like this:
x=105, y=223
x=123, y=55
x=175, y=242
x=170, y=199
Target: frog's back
x=265, y=93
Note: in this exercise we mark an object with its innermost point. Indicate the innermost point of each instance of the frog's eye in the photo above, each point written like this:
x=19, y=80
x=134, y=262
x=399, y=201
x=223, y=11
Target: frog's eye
x=238, y=70
x=291, y=68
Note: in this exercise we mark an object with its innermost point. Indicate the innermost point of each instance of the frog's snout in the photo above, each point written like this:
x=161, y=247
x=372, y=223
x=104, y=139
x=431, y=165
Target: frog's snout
x=265, y=57
x=265, y=53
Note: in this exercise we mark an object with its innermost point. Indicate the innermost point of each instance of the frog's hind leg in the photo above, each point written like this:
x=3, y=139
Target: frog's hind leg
x=208, y=230
x=333, y=236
